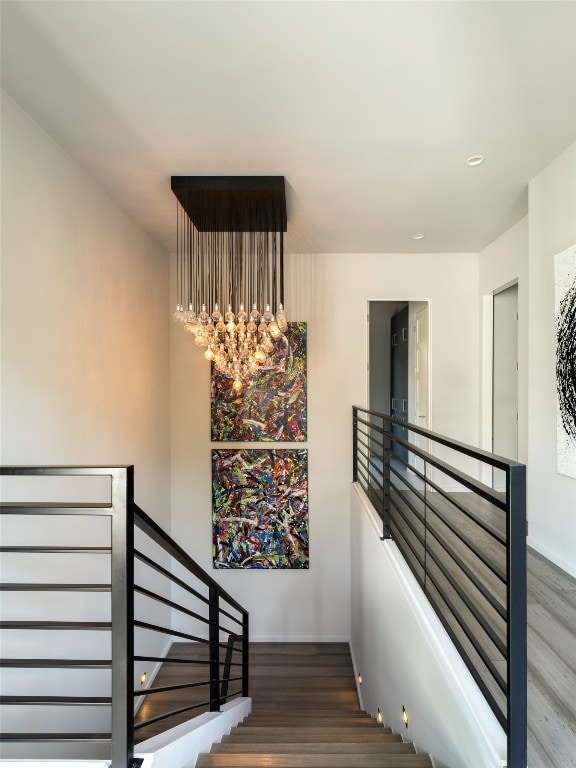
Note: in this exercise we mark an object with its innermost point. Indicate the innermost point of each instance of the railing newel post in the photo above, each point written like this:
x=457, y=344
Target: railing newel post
x=214, y=647
x=122, y=579
x=245, y=654
x=386, y=532
x=354, y=444
x=516, y=604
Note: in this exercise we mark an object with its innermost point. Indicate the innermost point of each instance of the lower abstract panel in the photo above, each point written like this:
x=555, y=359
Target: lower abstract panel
x=260, y=508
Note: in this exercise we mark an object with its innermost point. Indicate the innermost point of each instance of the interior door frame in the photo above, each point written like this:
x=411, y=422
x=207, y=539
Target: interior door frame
x=487, y=381
x=411, y=332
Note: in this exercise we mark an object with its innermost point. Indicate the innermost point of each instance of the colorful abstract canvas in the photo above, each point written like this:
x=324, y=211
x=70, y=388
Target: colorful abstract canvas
x=272, y=407
x=260, y=508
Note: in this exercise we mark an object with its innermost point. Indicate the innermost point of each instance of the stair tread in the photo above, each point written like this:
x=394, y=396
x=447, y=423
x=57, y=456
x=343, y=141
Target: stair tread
x=312, y=735
x=312, y=760
x=310, y=722
x=353, y=747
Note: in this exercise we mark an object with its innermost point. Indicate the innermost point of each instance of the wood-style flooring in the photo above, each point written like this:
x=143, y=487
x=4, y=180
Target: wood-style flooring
x=274, y=684
x=551, y=665
x=305, y=714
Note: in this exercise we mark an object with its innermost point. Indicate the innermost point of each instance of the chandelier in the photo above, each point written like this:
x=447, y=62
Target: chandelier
x=230, y=268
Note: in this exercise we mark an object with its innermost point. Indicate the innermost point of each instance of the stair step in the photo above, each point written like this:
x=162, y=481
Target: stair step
x=307, y=735
x=353, y=747
x=300, y=712
x=295, y=721
x=312, y=760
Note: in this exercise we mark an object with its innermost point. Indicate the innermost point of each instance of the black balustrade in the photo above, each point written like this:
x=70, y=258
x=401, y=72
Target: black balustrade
x=190, y=607
x=465, y=543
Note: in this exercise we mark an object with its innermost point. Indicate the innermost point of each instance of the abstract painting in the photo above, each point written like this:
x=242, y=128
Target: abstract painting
x=273, y=406
x=565, y=284
x=260, y=508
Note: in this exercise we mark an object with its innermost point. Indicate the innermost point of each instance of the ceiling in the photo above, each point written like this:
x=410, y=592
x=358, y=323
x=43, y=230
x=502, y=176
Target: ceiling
x=369, y=109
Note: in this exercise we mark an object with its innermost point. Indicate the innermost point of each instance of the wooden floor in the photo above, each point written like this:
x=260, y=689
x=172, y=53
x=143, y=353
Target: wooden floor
x=551, y=665
x=275, y=686
x=305, y=714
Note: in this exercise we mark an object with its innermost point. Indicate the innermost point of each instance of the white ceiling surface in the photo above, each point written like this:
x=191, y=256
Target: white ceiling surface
x=369, y=109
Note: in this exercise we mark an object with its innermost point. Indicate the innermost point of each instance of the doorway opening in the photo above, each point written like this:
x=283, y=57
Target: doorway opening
x=505, y=377
x=399, y=360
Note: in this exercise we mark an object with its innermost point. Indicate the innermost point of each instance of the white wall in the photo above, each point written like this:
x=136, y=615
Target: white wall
x=85, y=376
x=502, y=262
x=552, y=497
x=406, y=658
x=330, y=292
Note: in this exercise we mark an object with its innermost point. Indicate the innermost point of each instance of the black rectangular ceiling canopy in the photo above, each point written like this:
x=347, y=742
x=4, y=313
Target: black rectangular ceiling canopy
x=233, y=203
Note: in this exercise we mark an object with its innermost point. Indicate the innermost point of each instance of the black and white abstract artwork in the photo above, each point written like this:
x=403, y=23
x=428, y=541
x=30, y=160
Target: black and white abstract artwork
x=565, y=283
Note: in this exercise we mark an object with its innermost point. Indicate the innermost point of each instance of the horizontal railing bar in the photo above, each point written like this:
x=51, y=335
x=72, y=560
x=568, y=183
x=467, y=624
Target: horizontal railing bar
x=373, y=477
x=64, y=470
x=171, y=660
x=147, y=691
x=145, y=559
x=488, y=562
x=365, y=471
x=57, y=550
x=408, y=542
x=52, y=737
x=500, y=462
x=372, y=439
x=478, y=552
x=470, y=635
x=364, y=443
x=372, y=462
x=231, y=632
x=476, y=581
x=83, y=625
x=173, y=712
x=53, y=508
x=153, y=530
x=461, y=477
x=234, y=618
x=470, y=605
x=168, y=631
x=234, y=679
x=488, y=695
x=73, y=701
x=21, y=587
x=419, y=516
x=57, y=663
x=230, y=695
x=171, y=603
x=490, y=529
x=368, y=486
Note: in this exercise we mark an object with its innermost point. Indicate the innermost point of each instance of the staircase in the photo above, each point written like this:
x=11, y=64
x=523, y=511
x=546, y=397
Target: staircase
x=306, y=715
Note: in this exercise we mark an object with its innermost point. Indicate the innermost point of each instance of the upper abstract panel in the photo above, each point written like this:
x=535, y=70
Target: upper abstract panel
x=273, y=407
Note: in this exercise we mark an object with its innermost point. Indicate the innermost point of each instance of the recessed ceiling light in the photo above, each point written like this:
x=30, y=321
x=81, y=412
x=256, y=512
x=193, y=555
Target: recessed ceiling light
x=475, y=160
x=418, y=236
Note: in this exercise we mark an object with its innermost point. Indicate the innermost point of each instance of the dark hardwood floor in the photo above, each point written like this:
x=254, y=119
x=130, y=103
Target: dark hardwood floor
x=275, y=685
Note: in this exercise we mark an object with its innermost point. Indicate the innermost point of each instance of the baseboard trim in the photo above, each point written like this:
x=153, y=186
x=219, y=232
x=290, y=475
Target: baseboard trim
x=570, y=568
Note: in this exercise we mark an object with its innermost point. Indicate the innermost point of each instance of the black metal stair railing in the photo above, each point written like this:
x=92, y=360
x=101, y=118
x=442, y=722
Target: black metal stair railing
x=190, y=606
x=466, y=545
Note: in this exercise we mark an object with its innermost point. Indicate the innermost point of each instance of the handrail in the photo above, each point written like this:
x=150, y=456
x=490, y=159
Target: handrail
x=125, y=516
x=470, y=562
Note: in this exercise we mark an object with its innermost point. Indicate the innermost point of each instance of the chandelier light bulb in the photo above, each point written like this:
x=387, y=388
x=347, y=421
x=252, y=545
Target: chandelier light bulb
x=237, y=386
x=209, y=354
x=274, y=329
